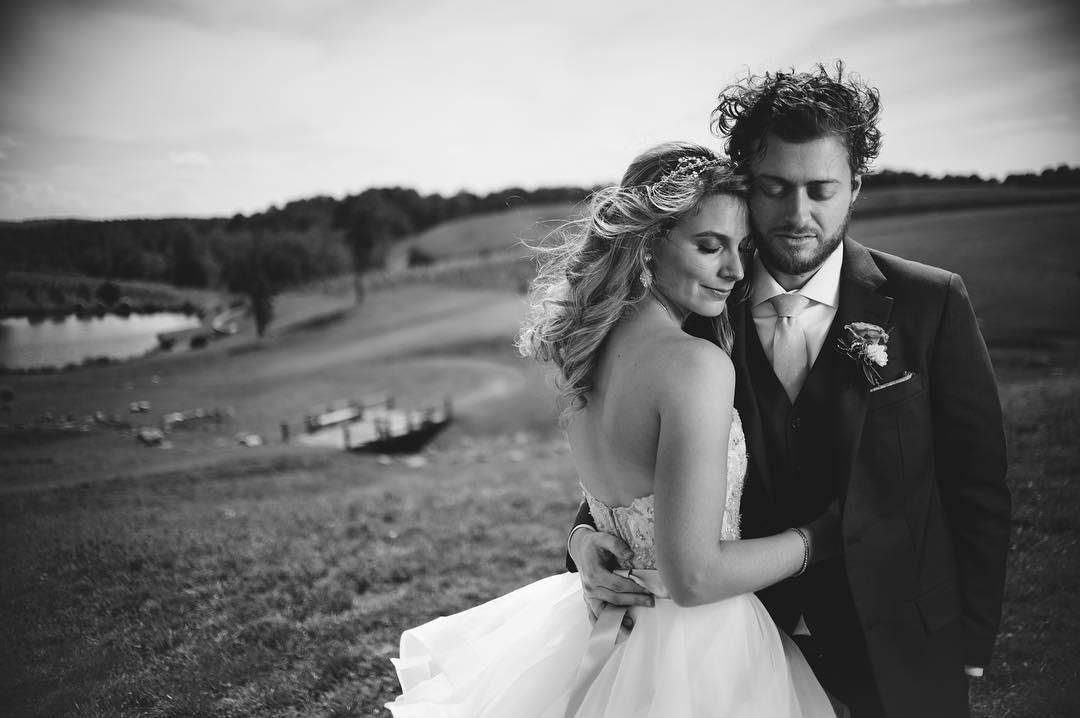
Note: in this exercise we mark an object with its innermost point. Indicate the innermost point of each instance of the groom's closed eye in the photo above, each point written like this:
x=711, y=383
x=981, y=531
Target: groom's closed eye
x=771, y=188
x=818, y=191
x=822, y=190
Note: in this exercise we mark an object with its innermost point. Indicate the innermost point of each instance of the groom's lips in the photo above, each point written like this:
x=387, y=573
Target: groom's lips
x=794, y=236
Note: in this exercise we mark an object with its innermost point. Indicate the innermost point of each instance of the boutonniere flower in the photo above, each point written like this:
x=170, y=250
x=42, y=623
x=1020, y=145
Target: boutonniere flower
x=865, y=343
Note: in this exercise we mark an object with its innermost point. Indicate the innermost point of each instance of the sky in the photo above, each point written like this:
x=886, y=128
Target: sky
x=151, y=108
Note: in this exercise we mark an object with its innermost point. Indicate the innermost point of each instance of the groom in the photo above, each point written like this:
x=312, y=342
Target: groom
x=906, y=440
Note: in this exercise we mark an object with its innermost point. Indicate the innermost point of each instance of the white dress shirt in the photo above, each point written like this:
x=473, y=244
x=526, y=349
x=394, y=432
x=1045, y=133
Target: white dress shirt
x=823, y=291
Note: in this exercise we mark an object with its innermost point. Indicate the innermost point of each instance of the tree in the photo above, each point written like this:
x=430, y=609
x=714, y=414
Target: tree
x=192, y=264
x=247, y=274
x=371, y=221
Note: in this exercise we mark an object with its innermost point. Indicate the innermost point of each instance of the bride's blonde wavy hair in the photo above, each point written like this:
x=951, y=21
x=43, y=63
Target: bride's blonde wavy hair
x=589, y=279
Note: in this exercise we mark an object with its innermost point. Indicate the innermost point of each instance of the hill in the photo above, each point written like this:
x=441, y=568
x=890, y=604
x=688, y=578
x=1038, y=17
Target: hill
x=494, y=232
x=488, y=233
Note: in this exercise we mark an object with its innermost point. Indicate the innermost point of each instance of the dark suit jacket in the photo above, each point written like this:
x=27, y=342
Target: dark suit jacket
x=924, y=505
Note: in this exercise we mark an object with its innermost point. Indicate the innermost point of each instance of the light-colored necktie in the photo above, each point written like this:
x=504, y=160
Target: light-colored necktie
x=790, y=359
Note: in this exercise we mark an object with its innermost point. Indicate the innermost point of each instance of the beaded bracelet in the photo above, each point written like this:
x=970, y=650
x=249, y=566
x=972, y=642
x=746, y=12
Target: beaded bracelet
x=806, y=550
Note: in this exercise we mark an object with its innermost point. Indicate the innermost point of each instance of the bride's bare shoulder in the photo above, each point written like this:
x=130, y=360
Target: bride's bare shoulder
x=685, y=365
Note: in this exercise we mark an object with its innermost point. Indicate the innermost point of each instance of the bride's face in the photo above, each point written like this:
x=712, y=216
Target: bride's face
x=696, y=266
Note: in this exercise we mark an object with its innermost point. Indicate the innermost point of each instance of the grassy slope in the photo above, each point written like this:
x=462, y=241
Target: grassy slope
x=279, y=586
x=276, y=582
x=1021, y=265
x=491, y=232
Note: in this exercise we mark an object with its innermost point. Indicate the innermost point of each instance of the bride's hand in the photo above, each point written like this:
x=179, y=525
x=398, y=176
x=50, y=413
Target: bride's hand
x=596, y=554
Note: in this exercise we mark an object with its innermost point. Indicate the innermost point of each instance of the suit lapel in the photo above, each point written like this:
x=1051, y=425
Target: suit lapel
x=746, y=397
x=860, y=301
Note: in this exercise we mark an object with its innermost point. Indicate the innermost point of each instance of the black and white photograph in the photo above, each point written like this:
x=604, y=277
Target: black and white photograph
x=594, y=359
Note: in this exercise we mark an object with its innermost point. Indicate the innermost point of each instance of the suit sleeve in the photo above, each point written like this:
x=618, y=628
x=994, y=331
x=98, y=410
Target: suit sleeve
x=583, y=517
x=971, y=463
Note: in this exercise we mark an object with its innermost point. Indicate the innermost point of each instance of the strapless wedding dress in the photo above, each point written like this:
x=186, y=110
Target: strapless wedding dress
x=534, y=653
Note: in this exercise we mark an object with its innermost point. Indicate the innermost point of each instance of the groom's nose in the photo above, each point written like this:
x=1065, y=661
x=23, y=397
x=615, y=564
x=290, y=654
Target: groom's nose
x=797, y=207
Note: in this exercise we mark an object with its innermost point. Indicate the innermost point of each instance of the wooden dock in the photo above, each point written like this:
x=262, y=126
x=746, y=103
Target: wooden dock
x=374, y=424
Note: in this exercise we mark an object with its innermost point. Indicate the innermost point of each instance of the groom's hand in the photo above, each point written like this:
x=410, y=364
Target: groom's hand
x=596, y=553
x=826, y=540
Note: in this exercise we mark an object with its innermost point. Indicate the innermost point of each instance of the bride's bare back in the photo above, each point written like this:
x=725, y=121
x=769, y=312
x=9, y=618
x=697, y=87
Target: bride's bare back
x=614, y=440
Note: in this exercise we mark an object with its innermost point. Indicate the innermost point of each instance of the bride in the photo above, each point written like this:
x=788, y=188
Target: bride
x=661, y=458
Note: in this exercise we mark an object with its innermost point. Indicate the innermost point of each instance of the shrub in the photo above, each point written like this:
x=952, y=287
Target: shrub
x=109, y=293
x=419, y=258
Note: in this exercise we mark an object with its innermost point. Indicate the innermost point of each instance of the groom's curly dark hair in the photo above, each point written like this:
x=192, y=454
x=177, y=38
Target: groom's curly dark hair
x=800, y=106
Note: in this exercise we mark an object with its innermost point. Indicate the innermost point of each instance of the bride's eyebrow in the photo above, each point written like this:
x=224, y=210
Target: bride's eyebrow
x=709, y=233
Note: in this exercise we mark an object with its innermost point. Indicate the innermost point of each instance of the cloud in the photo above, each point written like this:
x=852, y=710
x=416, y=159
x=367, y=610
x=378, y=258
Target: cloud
x=926, y=3
x=189, y=158
x=24, y=197
x=7, y=143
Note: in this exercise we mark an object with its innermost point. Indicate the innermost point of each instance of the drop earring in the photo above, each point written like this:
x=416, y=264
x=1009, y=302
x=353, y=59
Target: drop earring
x=646, y=276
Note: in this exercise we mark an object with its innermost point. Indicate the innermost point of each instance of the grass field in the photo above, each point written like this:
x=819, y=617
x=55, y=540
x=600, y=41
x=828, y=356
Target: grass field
x=490, y=232
x=215, y=580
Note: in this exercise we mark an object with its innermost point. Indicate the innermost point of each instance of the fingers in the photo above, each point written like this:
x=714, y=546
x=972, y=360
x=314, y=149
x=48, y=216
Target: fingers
x=615, y=583
x=618, y=598
x=596, y=578
x=600, y=542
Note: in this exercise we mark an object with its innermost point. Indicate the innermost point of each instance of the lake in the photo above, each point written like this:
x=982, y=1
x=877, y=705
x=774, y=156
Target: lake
x=55, y=342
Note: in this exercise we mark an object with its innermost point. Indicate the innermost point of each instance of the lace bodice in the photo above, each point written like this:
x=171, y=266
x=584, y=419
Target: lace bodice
x=634, y=523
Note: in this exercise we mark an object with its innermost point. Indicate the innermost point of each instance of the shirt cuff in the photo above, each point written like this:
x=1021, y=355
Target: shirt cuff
x=571, y=536
x=970, y=671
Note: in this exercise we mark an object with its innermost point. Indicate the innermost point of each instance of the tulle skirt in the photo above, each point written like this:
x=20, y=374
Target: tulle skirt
x=518, y=656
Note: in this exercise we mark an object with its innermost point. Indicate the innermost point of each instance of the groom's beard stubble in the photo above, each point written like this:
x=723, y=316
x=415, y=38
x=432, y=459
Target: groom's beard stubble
x=782, y=262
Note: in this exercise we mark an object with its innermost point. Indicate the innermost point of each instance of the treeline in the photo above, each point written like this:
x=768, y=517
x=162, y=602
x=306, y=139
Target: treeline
x=312, y=238
x=1060, y=176
x=302, y=241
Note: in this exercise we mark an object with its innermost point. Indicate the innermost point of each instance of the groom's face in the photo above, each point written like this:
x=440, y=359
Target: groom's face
x=800, y=202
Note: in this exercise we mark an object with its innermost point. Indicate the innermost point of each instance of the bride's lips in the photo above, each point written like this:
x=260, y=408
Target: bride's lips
x=718, y=293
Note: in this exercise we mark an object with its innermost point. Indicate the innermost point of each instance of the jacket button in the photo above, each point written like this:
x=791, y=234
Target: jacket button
x=796, y=423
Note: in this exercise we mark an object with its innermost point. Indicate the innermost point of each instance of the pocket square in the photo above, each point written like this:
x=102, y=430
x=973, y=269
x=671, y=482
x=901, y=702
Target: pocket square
x=906, y=376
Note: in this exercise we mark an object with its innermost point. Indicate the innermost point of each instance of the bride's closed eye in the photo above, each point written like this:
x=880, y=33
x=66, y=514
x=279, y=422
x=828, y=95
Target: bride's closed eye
x=712, y=246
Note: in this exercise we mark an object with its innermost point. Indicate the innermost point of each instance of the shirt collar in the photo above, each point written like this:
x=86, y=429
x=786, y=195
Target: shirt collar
x=823, y=287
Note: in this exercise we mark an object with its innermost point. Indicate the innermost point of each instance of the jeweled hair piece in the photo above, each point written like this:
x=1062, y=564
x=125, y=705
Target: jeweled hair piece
x=689, y=166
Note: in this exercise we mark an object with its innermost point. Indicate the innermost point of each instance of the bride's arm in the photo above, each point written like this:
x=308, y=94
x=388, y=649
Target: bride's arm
x=695, y=397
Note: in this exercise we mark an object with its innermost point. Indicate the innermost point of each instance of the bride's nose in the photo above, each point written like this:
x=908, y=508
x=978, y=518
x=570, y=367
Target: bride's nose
x=731, y=268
